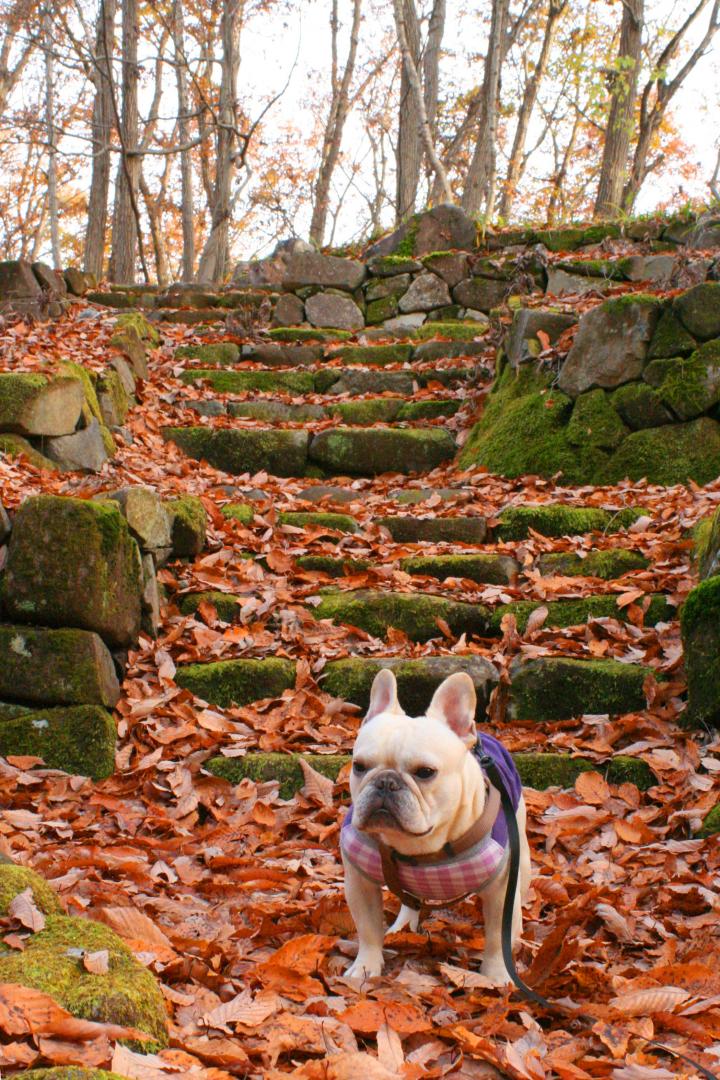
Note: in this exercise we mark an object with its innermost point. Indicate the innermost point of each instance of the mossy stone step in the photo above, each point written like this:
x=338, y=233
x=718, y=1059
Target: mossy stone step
x=307, y=333
x=485, y=569
x=417, y=680
x=406, y=529
x=302, y=519
x=332, y=566
x=237, y=682
x=358, y=381
x=413, y=496
x=225, y=604
x=372, y=451
x=574, y=612
x=273, y=354
x=79, y=739
x=554, y=519
x=272, y=411
x=56, y=667
x=235, y=450
x=415, y=615
x=368, y=411
x=429, y=409
x=372, y=354
x=539, y=771
x=560, y=688
x=452, y=330
x=608, y=565
x=264, y=382
x=221, y=353
x=242, y=512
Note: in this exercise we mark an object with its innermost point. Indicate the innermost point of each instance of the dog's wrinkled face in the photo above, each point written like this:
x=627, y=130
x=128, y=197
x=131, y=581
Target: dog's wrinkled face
x=409, y=774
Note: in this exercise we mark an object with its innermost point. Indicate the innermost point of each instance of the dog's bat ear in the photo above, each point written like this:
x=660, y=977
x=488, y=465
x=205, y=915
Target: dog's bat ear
x=454, y=703
x=383, y=695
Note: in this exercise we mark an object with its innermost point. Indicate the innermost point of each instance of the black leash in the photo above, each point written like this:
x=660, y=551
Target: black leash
x=493, y=774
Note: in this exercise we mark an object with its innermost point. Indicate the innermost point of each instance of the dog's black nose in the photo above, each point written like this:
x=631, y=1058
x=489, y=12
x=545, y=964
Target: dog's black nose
x=387, y=781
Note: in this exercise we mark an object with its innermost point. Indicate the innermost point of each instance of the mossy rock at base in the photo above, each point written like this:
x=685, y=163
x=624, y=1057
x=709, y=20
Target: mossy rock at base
x=307, y=333
x=608, y=565
x=31, y=404
x=237, y=682
x=429, y=409
x=706, y=553
x=700, y=625
x=406, y=529
x=669, y=455
x=557, y=688
x=188, y=525
x=485, y=569
x=562, y=613
x=56, y=667
x=417, y=680
x=263, y=382
x=15, y=879
x=73, y=562
x=699, y=310
x=414, y=614
x=79, y=739
x=68, y=1072
x=452, y=330
x=370, y=411
x=52, y=962
x=711, y=824
x=640, y=406
x=692, y=385
x=225, y=604
x=242, y=512
x=332, y=566
x=372, y=354
x=372, y=451
x=222, y=353
x=15, y=446
x=595, y=423
x=554, y=519
x=302, y=519
x=670, y=338
x=251, y=450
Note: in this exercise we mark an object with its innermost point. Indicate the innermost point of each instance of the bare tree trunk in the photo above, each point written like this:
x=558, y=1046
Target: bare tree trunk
x=125, y=229
x=214, y=259
x=48, y=45
x=102, y=127
x=409, y=142
x=186, y=174
x=622, y=111
x=416, y=93
x=339, y=107
x=558, y=181
x=152, y=207
x=481, y=176
x=431, y=67
x=517, y=159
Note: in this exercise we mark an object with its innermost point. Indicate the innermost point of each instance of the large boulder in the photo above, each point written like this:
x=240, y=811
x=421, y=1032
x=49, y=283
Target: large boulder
x=271, y=270
x=31, y=404
x=443, y=228
x=17, y=280
x=699, y=310
x=611, y=344
x=428, y=291
x=329, y=309
x=74, y=563
x=56, y=667
x=481, y=294
x=328, y=271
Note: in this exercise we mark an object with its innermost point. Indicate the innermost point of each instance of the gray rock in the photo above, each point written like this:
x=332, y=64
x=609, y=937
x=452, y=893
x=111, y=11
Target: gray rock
x=50, y=281
x=207, y=408
x=125, y=371
x=658, y=268
x=451, y=266
x=427, y=291
x=331, y=310
x=366, y=382
x=56, y=667
x=482, y=294
x=352, y=451
x=475, y=315
x=380, y=288
x=79, y=282
x=706, y=233
x=524, y=330
x=5, y=525
x=331, y=492
x=405, y=324
x=145, y=514
x=270, y=271
x=289, y=310
x=611, y=345
x=84, y=450
x=31, y=404
x=276, y=410
x=150, y=597
x=18, y=280
x=278, y=355
x=311, y=268
x=448, y=350
x=406, y=529
x=444, y=228
x=559, y=281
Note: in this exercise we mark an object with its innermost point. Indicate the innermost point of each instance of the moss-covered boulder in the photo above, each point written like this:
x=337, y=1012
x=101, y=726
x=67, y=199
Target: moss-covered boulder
x=56, y=667
x=78, y=739
x=699, y=310
x=640, y=406
x=429, y=409
x=15, y=879
x=188, y=525
x=594, y=422
x=406, y=529
x=485, y=569
x=240, y=382
x=700, y=623
x=608, y=565
x=556, y=688
x=416, y=615
x=52, y=961
x=220, y=353
x=417, y=680
x=369, y=411
x=237, y=682
x=13, y=446
x=242, y=512
x=141, y=326
x=574, y=612
x=668, y=455
x=31, y=404
x=326, y=520
x=72, y=562
x=692, y=385
x=611, y=344
x=372, y=451
x=113, y=398
x=670, y=338
x=372, y=354
x=91, y=409
x=555, y=519
x=706, y=537
x=280, y=452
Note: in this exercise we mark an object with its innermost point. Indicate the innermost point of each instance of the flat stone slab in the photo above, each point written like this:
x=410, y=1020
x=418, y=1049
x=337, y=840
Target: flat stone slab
x=575, y=612
x=414, y=614
x=357, y=381
x=278, y=355
x=552, y=688
x=237, y=682
x=235, y=450
x=608, y=565
x=312, y=268
x=555, y=519
x=264, y=382
x=406, y=529
x=485, y=569
x=373, y=451
x=56, y=667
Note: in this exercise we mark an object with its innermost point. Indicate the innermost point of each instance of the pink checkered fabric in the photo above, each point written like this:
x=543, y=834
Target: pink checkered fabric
x=472, y=871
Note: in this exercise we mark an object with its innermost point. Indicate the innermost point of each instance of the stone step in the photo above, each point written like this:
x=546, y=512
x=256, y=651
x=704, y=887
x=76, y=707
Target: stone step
x=405, y=529
x=237, y=682
x=556, y=519
x=558, y=688
x=608, y=565
x=329, y=380
x=537, y=770
x=280, y=452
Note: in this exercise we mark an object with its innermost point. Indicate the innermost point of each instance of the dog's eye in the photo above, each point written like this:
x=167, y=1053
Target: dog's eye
x=425, y=773
x=359, y=768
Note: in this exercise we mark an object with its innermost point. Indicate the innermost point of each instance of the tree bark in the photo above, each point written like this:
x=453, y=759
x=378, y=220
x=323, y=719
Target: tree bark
x=48, y=44
x=618, y=132
x=481, y=179
x=408, y=155
x=186, y=174
x=339, y=107
x=125, y=231
x=431, y=64
x=15, y=26
x=214, y=259
x=102, y=128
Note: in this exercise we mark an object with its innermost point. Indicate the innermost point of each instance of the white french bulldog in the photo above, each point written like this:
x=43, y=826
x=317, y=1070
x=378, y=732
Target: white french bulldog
x=417, y=787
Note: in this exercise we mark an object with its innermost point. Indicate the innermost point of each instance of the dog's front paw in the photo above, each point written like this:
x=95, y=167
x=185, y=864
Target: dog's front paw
x=367, y=965
x=494, y=971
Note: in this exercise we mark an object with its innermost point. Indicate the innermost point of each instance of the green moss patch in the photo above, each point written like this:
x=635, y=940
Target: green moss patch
x=240, y=382
x=318, y=519
x=16, y=879
x=692, y=386
x=307, y=333
x=372, y=451
x=560, y=689
x=554, y=519
x=220, y=353
x=225, y=604
x=369, y=411
x=700, y=624
x=452, y=330
x=237, y=451
x=711, y=824
x=69, y=1072
x=237, y=682
x=429, y=409
x=15, y=446
x=136, y=322
x=706, y=537
x=608, y=565
x=699, y=310
x=561, y=613
x=416, y=615
x=242, y=512
x=640, y=406
x=482, y=568
x=389, y=265
x=56, y=667
x=670, y=338
x=78, y=739
x=595, y=423
x=372, y=354
x=332, y=566
x=669, y=455
x=188, y=525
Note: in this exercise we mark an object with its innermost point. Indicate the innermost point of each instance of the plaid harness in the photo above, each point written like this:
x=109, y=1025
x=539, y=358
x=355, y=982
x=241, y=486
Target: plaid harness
x=441, y=880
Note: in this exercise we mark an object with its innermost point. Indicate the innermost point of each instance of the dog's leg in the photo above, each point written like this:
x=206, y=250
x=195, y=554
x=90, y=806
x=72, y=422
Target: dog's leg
x=364, y=899
x=407, y=916
x=493, y=901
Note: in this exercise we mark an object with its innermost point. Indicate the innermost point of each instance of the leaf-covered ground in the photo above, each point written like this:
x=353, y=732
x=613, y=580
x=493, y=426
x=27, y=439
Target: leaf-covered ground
x=233, y=897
